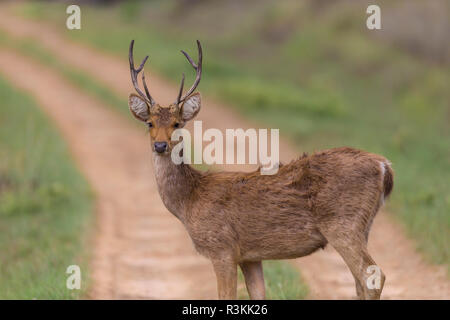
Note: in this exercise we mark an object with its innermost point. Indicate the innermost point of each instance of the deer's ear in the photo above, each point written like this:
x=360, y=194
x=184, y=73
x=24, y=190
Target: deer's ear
x=138, y=107
x=191, y=106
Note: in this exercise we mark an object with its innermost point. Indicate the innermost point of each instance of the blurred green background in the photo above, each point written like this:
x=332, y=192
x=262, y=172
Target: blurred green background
x=312, y=69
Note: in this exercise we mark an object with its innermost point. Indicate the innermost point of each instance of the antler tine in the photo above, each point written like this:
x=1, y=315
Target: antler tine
x=198, y=70
x=152, y=102
x=134, y=73
x=181, y=90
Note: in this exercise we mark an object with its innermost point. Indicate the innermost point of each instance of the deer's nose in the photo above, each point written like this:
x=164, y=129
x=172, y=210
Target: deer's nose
x=160, y=147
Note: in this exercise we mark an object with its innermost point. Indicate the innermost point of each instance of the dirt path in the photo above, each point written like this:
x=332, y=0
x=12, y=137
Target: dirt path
x=141, y=250
x=408, y=275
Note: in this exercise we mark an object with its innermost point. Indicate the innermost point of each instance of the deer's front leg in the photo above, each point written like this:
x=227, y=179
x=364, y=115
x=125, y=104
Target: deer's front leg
x=254, y=279
x=226, y=273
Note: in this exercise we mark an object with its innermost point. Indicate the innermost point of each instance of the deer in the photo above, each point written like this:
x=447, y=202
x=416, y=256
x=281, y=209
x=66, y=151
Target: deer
x=242, y=218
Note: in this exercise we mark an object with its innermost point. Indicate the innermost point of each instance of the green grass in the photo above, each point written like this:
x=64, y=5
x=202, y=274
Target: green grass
x=283, y=282
x=317, y=74
x=45, y=205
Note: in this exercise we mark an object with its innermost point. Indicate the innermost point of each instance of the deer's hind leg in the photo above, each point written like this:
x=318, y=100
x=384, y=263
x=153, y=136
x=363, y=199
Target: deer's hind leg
x=254, y=279
x=352, y=246
x=368, y=276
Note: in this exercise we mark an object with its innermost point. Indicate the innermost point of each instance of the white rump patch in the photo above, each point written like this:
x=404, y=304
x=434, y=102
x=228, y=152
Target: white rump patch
x=383, y=169
x=139, y=108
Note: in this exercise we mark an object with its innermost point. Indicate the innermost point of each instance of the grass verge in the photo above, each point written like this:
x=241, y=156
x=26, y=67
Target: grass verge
x=45, y=205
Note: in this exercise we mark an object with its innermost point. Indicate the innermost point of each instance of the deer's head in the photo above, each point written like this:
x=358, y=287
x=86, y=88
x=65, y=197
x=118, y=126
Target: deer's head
x=163, y=120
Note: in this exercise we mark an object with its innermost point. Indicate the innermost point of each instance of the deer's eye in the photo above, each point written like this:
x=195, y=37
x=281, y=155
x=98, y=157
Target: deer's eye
x=150, y=125
x=176, y=125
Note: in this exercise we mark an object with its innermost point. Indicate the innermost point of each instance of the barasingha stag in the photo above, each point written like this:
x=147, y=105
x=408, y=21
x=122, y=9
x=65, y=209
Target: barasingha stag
x=237, y=218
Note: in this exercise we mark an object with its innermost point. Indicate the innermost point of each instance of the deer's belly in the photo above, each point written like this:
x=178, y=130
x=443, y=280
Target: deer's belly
x=282, y=246
x=258, y=236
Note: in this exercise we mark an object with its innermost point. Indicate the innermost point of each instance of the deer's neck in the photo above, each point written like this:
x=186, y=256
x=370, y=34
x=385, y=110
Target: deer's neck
x=175, y=184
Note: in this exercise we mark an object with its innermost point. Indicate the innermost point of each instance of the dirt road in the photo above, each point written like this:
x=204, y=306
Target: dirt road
x=141, y=251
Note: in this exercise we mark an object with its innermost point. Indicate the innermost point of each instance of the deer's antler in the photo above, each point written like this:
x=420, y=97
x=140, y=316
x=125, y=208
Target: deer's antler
x=198, y=71
x=135, y=72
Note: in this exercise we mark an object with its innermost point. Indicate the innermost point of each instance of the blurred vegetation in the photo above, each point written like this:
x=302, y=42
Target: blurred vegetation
x=314, y=70
x=45, y=205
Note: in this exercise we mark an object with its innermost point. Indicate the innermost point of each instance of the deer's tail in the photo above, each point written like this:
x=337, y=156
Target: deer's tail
x=388, y=179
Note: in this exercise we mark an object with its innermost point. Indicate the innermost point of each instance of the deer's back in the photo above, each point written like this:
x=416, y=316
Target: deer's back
x=270, y=217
